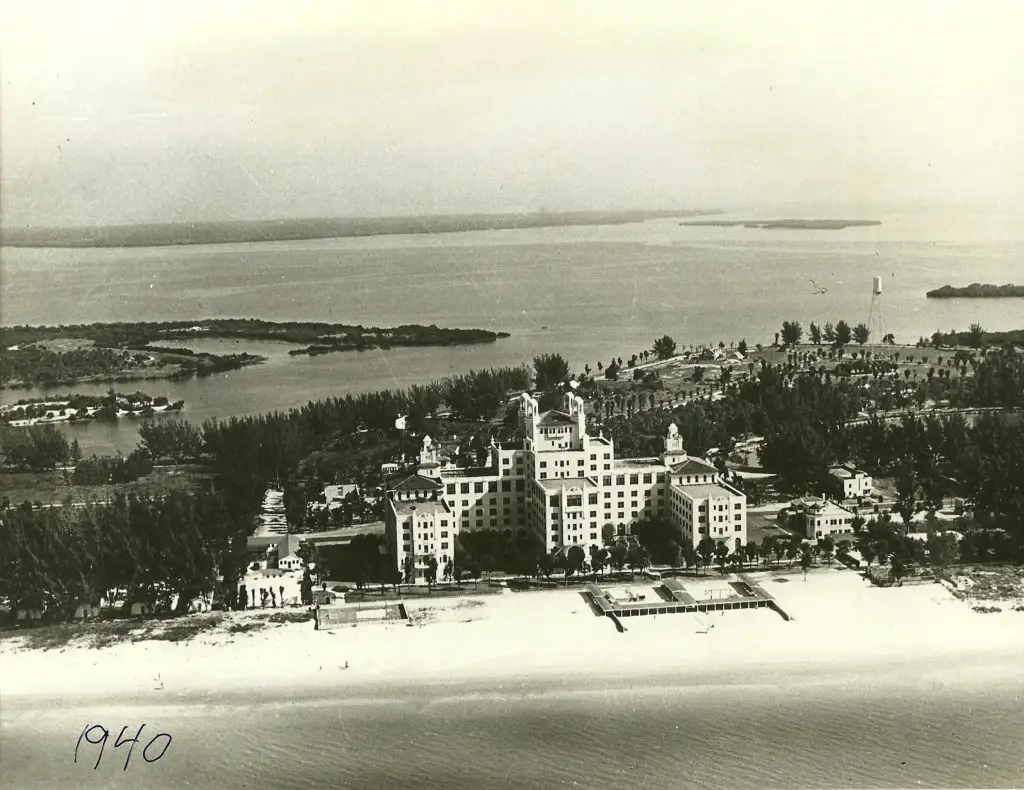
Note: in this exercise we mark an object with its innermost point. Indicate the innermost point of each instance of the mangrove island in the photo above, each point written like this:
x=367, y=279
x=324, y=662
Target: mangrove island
x=976, y=291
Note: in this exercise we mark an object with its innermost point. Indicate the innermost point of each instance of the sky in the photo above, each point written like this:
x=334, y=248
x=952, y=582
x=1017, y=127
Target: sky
x=116, y=113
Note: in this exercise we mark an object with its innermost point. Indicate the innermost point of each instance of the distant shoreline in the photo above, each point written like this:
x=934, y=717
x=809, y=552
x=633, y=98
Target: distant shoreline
x=977, y=291
x=784, y=224
x=235, y=232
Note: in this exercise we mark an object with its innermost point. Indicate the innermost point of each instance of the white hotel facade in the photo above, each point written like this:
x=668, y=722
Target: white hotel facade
x=563, y=484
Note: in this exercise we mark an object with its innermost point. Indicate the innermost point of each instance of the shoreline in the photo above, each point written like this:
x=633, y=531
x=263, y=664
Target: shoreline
x=842, y=630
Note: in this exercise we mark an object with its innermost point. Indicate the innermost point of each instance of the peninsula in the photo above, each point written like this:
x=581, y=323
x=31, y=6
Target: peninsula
x=158, y=235
x=49, y=355
x=78, y=407
x=784, y=224
x=976, y=291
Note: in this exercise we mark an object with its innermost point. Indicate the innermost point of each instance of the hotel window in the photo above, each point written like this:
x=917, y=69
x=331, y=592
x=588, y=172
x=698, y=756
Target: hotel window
x=465, y=488
x=451, y=488
x=506, y=461
x=492, y=486
x=593, y=456
x=634, y=479
x=553, y=500
x=506, y=485
x=543, y=464
x=465, y=503
x=592, y=499
x=593, y=535
x=606, y=480
x=620, y=480
x=648, y=478
x=444, y=546
x=607, y=467
x=479, y=522
x=576, y=500
x=444, y=522
x=478, y=488
x=579, y=462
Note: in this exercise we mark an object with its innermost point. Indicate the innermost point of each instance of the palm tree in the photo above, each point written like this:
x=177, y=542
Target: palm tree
x=827, y=545
x=721, y=553
x=805, y=560
x=706, y=550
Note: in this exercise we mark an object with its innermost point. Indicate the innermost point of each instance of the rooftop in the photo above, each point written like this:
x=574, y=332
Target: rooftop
x=828, y=508
x=560, y=483
x=705, y=490
x=843, y=471
x=414, y=483
x=555, y=417
x=646, y=464
x=693, y=466
x=410, y=507
x=471, y=471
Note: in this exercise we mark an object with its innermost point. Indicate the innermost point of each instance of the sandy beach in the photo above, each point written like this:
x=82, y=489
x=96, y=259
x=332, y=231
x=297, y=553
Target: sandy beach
x=841, y=624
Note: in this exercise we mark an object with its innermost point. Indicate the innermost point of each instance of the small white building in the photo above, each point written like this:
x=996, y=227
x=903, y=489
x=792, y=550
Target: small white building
x=284, y=556
x=388, y=468
x=334, y=495
x=401, y=422
x=823, y=517
x=848, y=482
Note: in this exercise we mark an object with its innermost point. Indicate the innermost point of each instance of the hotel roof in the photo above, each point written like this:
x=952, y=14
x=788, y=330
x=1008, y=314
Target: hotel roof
x=705, y=490
x=694, y=466
x=645, y=464
x=415, y=483
x=560, y=483
x=412, y=507
x=555, y=417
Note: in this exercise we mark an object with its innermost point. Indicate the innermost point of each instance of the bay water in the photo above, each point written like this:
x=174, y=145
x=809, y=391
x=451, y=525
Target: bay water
x=589, y=293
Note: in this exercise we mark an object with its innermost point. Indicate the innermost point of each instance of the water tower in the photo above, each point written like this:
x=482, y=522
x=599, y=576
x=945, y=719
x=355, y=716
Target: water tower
x=876, y=317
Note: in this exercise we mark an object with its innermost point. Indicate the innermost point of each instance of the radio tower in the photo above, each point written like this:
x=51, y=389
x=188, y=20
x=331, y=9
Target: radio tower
x=876, y=318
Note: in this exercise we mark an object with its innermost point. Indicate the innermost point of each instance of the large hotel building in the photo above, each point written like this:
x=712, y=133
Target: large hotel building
x=563, y=484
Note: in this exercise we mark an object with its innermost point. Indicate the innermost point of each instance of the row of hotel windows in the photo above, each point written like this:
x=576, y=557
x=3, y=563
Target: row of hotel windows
x=576, y=500
x=492, y=487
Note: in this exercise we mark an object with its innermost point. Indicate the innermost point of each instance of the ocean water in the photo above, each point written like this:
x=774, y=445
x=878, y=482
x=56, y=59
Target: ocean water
x=777, y=731
x=586, y=292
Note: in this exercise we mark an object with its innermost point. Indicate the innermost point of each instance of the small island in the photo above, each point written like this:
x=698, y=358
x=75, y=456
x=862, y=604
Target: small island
x=785, y=224
x=976, y=291
x=245, y=231
x=76, y=408
x=51, y=355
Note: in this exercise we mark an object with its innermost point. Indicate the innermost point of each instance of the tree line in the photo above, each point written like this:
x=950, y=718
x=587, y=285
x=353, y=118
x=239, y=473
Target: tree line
x=149, y=548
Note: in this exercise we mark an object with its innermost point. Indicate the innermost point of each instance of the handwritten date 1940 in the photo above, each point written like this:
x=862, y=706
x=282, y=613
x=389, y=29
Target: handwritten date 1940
x=98, y=735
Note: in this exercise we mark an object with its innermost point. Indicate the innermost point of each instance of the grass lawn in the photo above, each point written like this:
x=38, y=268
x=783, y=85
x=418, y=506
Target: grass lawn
x=55, y=488
x=761, y=525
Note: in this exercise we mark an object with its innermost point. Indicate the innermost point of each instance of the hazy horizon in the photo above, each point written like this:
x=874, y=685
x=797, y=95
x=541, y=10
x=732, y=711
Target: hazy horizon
x=114, y=113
